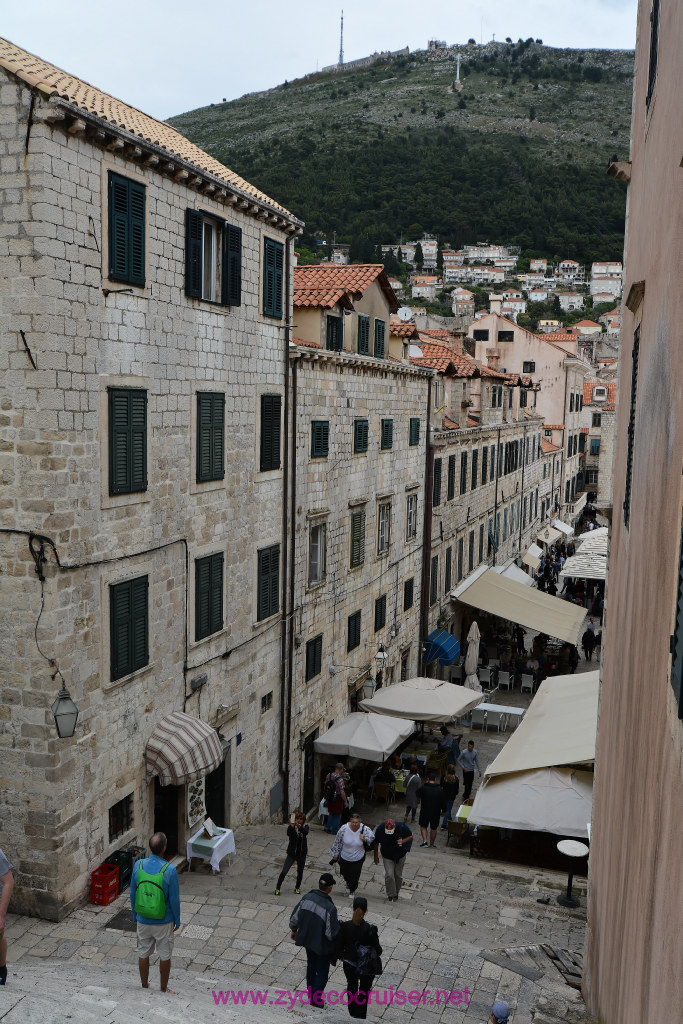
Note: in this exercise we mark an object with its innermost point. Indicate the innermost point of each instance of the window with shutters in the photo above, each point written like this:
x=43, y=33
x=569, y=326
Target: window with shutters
x=595, y=445
x=213, y=259
x=353, y=631
x=380, y=613
x=333, y=333
x=360, y=436
x=126, y=230
x=414, y=431
x=380, y=330
x=484, y=464
x=505, y=524
x=383, y=527
x=450, y=486
x=357, y=537
x=522, y=398
x=208, y=595
x=434, y=579
x=461, y=546
x=268, y=582
x=271, y=418
x=127, y=440
x=210, y=436
x=314, y=657
x=320, y=439
x=363, y=335
x=129, y=626
x=317, y=553
x=463, y=472
x=470, y=551
x=596, y=419
x=481, y=543
x=631, y=427
x=436, y=492
x=266, y=702
x=386, y=435
x=273, y=277
x=448, y=570
x=411, y=517
x=475, y=469
x=408, y=593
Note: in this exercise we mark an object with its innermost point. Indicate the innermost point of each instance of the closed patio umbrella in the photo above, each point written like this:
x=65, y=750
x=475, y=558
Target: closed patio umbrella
x=472, y=658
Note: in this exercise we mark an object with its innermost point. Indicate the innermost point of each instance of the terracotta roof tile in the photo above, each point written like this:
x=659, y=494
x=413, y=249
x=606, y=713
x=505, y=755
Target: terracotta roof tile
x=609, y=385
x=547, y=447
x=308, y=344
x=553, y=426
x=440, y=335
x=586, y=323
x=52, y=81
x=324, y=286
x=450, y=424
x=403, y=330
x=472, y=421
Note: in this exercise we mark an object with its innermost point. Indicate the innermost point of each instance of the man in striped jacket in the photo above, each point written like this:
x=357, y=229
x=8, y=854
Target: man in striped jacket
x=314, y=926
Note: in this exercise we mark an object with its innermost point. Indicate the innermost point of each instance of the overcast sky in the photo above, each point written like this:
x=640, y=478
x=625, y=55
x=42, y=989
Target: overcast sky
x=170, y=56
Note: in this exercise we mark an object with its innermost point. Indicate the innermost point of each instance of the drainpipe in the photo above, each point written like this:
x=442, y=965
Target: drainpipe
x=287, y=557
x=495, y=499
x=521, y=498
x=426, y=533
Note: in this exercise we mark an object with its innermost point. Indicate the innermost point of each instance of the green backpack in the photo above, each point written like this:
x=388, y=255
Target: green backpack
x=149, y=894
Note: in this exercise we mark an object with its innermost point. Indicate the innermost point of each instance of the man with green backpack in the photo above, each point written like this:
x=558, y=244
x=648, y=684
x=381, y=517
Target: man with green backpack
x=155, y=900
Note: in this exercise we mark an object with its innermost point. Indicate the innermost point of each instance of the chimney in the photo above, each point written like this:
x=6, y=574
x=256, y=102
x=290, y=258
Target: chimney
x=495, y=303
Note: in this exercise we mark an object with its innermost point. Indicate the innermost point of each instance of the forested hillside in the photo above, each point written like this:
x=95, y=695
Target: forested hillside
x=517, y=155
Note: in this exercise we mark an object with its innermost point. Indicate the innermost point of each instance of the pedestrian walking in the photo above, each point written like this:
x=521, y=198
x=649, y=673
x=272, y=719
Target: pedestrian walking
x=588, y=641
x=351, y=843
x=335, y=797
x=518, y=635
x=155, y=901
x=297, y=849
x=6, y=887
x=412, y=784
x=432, y=803
x=467, y=761
x=450, y=786
x=314, y=926
x=500, y=1013
x=359, y=949
x=393, y=840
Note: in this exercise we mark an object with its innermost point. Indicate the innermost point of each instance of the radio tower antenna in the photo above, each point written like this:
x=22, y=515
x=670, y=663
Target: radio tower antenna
x=341, y=40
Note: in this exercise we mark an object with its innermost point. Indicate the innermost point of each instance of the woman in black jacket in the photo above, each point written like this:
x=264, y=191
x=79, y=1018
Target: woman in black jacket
x=352, y=935
x=297, y=849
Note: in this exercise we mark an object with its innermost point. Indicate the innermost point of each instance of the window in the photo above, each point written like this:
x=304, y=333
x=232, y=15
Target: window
x=357, y=537
x=127, y=441
x=273, y=262
x=120, y=817
x=470, y=551
x=353, y=634
x=481, y=543
x=501, y=458
x=475, y=469
x=436, y=496
x=271, y=409
x=213, y=263
x=595, y=446
x=266, y=702
x=599, y=394
x=380, y=612
x=386, y=435
x=360, y=436
x=363, y=335
x=208, y=595
x=317, y=553
x=383, y=527
x=596, y=420
x=126, y=230
x=654, y=46
x=408, y=594
x=333, y=333
x=522, y=398
x=463, y=472
x=268, y=582
x=524, y=511
x=592, y=476
x=461, y=545
x=480, y=335
x=434, y=579
x=492, y=463
x=210, y=435
x=320, y=439
x=448, y=570
x=505, y=525
x=129, y=627
x=507, y=336
x=571, y=402
x=314, y=656
x=414, y=432
x=529, y=366
x=411, y=517
x=380, y=329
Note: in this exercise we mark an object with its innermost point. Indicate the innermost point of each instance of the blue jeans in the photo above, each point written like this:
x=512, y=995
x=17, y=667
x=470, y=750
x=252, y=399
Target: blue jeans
x=317, y=973
x=333, y=822
x=447, y=813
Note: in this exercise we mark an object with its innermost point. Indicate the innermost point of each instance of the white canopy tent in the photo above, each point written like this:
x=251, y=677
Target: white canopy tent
x=533, y=556
x=423, y=700
x=587, y=566
x=594, y=545
x=514, y=572
x=528, y=607
x=548, y=535
x=371, y=737
x=563, y=527
x=557, y=800
x=599, y=531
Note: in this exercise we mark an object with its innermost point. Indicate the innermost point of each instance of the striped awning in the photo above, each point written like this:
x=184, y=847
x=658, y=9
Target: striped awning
x=182, y=749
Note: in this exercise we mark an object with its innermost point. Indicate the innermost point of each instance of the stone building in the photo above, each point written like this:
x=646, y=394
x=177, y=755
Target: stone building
x=599, y=417
x=145, y=314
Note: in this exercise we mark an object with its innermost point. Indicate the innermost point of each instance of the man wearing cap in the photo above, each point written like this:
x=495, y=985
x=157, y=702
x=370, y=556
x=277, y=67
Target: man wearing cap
x=314, y=926
x=500, y=1013
x=394, y=839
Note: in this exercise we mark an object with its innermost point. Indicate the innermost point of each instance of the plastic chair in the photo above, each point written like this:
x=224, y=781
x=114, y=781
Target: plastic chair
x=480, y=717
x=527, y=683
x=485, y=675
x=504, y=681
x=456, y=674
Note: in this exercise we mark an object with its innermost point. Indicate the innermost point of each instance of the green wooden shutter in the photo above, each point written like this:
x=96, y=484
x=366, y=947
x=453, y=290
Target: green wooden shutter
x=387, y=434
x=126, y=230
x=208, y=595
x=450, y=492
x=357, y=537
x=137, y=234
x=379, y=338
x=433, y=579
x=127, y=441
x=414, y=434
x=353, y=634
x=210, y=436
x=273, y=278
x=408, y=588
x=320, y=439
x=271, y=408
x=364, y=335
x=360, y=436
x=140, y=630
x=436, y=491
x=138, y=429
x=218, y=436
x=380, y=612
x=120, y=630
x=268, y=582
x=448, y=570
x=314, y=650
x=193, y=253
x=232, y=266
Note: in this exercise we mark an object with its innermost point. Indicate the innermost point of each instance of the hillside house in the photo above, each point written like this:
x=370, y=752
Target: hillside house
x=606, y=278
x=569, y=301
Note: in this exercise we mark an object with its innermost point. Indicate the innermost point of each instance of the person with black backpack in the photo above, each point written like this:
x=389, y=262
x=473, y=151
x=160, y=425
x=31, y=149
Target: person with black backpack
x=335, y=798
x=155, y=901
x=358, y=947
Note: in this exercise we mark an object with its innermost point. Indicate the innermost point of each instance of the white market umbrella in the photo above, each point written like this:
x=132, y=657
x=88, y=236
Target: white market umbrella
x=472, y=659
x=370, y=737
x=423, y=700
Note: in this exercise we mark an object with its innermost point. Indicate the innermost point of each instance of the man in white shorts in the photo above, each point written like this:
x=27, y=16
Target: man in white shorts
x=155, y=901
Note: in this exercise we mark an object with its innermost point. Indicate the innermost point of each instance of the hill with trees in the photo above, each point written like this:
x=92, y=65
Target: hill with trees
x=515, y=152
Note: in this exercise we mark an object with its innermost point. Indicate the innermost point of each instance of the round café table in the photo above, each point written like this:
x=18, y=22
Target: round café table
x=572, y=849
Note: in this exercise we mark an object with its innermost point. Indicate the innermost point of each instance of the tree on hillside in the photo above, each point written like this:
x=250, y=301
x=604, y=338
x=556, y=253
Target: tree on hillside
x=419, y=257
x=439, y=259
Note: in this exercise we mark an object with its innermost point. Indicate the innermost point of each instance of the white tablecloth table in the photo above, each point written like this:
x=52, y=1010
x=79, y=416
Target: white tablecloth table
x=213, y=850
x=499, y=713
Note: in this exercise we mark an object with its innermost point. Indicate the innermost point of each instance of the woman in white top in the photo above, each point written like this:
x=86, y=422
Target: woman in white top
x=351, y=843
